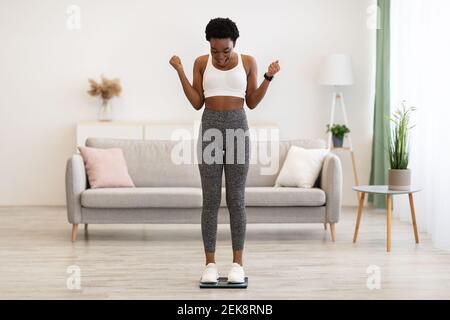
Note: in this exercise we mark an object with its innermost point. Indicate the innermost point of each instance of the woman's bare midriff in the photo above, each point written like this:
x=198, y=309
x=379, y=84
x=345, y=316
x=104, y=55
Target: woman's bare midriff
x=224, y=103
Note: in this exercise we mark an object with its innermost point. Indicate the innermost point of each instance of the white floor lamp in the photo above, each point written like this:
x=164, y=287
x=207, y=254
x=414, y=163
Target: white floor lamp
x=337, y=72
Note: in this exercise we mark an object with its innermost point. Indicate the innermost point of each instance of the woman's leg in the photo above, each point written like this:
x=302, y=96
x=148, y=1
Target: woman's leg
x=211, y=180
x=235, y=179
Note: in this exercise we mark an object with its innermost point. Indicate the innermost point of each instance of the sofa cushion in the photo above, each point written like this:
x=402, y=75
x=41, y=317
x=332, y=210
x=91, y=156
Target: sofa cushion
x=267, y=159
x=106, y=168
x=150, y=162
x=164, y=197
x=301, y=167
x=280, y=197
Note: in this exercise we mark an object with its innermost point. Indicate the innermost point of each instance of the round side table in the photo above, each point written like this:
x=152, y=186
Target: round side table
x=389, y=194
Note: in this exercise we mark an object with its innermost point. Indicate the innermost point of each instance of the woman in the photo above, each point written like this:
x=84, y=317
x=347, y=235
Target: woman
x=223, y=81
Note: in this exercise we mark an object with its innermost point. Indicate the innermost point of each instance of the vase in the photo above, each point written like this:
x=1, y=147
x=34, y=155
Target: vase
x=399, y=180
x=105, y=113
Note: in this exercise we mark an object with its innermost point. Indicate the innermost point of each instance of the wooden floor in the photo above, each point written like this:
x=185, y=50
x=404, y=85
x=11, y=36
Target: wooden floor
x=282, y=261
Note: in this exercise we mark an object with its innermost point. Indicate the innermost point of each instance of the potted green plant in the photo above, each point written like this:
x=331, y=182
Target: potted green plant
x=399, y=174
x=338, y=132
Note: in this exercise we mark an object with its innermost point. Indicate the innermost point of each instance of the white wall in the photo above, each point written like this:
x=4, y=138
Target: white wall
x=44, y=68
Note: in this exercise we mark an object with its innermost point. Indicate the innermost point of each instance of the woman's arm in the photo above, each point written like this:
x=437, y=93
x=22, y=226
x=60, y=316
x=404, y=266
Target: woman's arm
x=255, y=94
x=194, y=92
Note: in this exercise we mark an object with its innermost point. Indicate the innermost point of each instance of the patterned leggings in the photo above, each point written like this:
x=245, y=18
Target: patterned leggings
x=224, y=144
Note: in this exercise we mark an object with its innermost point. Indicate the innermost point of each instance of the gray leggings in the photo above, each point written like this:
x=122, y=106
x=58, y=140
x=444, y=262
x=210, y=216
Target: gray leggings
x=223, y=148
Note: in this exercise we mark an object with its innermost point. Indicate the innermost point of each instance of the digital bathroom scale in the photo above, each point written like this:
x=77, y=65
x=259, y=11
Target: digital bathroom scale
x=223, y=284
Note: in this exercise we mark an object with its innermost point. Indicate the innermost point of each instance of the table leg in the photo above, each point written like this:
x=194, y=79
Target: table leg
x=413, y=216
x=358, y=218
x=388, y=208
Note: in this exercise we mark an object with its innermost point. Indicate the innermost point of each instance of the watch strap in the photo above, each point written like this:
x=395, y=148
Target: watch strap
x=267, y=77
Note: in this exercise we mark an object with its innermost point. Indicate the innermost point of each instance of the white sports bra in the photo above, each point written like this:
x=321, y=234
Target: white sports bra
x=218, y=82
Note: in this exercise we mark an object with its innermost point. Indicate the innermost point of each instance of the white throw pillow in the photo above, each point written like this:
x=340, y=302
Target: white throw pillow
x=301, y=167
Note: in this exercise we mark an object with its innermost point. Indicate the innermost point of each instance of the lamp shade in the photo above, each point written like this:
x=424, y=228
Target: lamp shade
x=337, y=70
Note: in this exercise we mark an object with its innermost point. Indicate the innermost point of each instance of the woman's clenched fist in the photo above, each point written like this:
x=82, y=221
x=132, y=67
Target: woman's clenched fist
x=274, y=67
x=175, y=62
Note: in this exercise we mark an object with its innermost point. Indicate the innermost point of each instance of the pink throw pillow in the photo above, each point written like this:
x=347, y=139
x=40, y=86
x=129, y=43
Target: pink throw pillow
x=106, y=168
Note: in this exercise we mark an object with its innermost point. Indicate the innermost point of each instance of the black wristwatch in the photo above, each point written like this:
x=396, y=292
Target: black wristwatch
x=267, y=77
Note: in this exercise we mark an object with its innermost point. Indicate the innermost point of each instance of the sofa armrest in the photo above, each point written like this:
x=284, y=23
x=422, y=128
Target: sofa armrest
x=331, y=183
x=76, y=183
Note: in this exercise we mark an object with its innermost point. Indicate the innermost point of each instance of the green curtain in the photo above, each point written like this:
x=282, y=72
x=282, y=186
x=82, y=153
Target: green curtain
x=380, y=159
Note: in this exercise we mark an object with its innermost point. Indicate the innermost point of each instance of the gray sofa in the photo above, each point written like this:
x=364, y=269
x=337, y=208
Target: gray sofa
x=167, y=192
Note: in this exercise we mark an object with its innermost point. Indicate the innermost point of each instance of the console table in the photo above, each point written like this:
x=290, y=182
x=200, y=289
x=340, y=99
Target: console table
x=157, y=131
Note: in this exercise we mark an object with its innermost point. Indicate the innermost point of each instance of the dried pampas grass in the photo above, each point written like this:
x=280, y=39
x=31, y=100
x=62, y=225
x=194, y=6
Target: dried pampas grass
x=106, y=89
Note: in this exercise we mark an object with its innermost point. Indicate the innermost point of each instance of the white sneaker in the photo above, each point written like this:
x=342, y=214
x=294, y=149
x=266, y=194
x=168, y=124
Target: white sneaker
x=210, y=274
x=236, y=274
